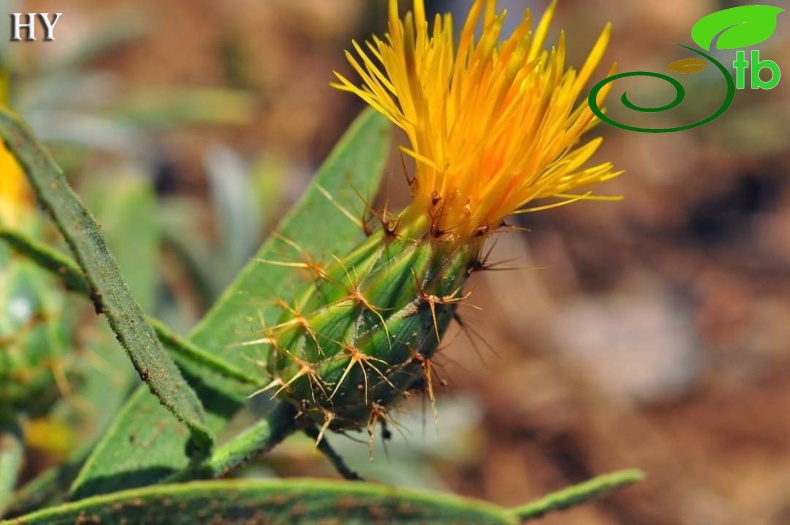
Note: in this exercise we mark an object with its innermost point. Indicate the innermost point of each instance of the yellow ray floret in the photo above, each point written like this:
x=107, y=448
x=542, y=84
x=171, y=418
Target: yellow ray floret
x=492, y=125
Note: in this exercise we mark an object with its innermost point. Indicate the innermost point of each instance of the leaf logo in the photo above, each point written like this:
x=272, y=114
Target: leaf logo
x=687, y=66
x=736, y=27
x=732, y=28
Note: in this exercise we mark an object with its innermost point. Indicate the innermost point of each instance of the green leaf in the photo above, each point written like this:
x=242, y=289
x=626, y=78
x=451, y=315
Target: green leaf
x=190, y=252
x=738, y=26
x=307, y=501
x=125, y=205
x=49, y=259
x=319, y=226
x=12, y=453
x=144, y=446
x=110, y=292
x=271, y=501
x=73, y=279
x=126, y=208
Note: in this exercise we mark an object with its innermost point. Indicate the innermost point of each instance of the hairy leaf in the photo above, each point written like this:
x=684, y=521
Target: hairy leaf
x=309, y=501
x=144, y=446
x=273, y=501
x=110, y=292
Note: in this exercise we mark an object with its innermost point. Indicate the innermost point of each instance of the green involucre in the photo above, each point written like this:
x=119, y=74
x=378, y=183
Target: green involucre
x=364, y=332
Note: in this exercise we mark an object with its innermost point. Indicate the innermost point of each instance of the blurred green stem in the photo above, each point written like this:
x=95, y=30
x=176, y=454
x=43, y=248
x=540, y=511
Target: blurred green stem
x=12, y=453
x=74, y=280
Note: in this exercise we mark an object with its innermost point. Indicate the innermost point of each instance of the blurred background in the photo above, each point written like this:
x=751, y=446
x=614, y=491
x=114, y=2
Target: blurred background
x=650, y=333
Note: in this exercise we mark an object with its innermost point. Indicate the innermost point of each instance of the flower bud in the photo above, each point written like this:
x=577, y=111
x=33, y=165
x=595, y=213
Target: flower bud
x=364, y=332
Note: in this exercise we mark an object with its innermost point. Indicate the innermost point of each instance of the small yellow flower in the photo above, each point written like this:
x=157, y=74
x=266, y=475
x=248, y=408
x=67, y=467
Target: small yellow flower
x=14, y=191
x=15, y=194
x=492, y=125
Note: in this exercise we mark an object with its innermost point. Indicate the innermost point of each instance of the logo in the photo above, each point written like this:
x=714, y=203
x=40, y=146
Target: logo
x=732, y=28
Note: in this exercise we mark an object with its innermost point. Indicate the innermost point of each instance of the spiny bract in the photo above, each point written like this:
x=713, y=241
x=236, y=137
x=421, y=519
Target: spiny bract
x=365, y=331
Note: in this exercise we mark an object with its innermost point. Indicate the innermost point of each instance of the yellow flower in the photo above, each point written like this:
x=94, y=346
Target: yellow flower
x=492, y=125
x=15, y=194
x=14, y=191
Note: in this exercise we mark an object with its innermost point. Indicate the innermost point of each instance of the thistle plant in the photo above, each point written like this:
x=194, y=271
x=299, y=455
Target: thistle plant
x=491, y=128
x=347, y=319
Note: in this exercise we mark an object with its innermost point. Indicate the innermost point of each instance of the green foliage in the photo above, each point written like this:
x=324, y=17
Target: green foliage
x=134, y=472
x=145, y=444
x=262, y=502
x=73, y=279
x=11, y=455
x=126, y=208
x=36, y=337
x=306, y=501
x=110, y=293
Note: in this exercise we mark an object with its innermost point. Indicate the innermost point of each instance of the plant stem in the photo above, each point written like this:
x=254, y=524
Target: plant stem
x=577, y=494
x=331, y=454
x=253, y=442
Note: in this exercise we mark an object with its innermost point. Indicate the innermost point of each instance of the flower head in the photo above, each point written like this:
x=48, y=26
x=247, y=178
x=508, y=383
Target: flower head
x=15, y=194
x=492, y=126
